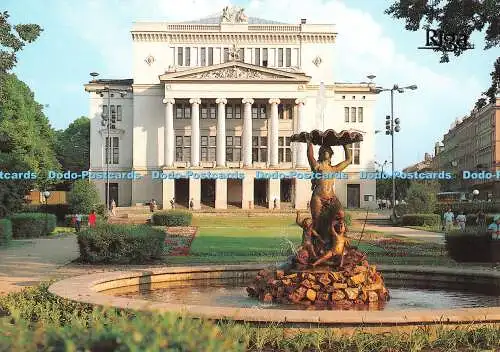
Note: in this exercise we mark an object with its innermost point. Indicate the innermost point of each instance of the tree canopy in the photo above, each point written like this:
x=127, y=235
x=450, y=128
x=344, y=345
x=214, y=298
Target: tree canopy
x=460, y=17
x=73, y=145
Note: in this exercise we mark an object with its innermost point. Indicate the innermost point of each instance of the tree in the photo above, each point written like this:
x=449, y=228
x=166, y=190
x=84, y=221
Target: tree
x=456, y=16
x=421, y=197
x=13, y=39
x=27, y=141
x=83, y=197
x=73, y=145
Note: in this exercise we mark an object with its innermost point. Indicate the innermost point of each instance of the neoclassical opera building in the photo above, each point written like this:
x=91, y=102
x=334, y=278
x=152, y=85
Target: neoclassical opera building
x=224, y=94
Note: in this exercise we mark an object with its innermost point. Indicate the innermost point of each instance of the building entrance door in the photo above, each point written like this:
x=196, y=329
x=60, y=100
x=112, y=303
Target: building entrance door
x=353, y=194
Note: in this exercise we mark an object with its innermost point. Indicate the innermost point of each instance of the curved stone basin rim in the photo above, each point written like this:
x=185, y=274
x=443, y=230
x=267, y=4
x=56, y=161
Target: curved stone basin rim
x=87, y=289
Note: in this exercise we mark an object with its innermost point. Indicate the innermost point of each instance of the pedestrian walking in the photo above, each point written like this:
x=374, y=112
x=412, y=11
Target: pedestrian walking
x=152, y=205
x=78, y=222
x=461, y=220
x=113, y=207
x=448, y=218
x=92, y=219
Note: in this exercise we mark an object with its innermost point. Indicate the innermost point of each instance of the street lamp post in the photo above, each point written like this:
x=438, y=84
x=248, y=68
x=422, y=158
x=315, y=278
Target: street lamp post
x=46, y=195
x=392, y=125
x=106, y=121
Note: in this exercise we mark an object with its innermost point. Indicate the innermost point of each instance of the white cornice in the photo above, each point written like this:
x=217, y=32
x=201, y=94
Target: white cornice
x=241, y=38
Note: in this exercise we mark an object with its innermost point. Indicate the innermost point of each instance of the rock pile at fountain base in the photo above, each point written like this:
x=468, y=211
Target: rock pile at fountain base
x=355, y=284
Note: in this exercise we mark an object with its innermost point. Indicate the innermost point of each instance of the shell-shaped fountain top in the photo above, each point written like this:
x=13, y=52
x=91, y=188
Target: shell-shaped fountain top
x=329, y=137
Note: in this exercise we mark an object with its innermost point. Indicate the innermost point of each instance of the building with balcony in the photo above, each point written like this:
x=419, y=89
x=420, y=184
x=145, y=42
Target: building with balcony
x=224, y=94
x=473, y=144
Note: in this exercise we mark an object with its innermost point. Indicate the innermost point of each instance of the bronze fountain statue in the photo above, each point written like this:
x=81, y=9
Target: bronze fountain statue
x=326, y=270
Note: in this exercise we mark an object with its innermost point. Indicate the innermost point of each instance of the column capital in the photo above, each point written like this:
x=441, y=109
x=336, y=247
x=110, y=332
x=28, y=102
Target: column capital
x=274, y=101
x=195, y=101
x=221, y=101
x=168, y=101
x=247, y=101
x=300, y=101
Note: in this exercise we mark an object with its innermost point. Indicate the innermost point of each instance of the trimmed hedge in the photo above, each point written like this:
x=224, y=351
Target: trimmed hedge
x=5, y=231
x=421, y=220
x=469, y=246
x=471, y=219
x=125, y=244
x=172, y=218
x=469, y=207
x=40, y=321
x=29, y=225
x=59, y=210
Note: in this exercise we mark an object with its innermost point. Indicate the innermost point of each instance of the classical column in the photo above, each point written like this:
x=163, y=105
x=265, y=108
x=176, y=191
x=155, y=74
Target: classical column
x=301, y=157
x=195, y=131
x=273, y=136
x=221, y=131
x=169, y=133
x=247, y=131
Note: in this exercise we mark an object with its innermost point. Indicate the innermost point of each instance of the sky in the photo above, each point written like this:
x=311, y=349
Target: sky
x=83, y=36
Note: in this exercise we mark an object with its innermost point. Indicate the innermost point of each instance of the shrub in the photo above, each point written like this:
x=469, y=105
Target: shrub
x=59, y=210
x=107, y=243
x=5, y=231
x=44, y=322
x=83, y=197
x=473, y=245
x=347, y=219
x=27, y=225
x=172, y=218
x=421, y=198
x=401, y=209
x=420, y=220
x=101, y=210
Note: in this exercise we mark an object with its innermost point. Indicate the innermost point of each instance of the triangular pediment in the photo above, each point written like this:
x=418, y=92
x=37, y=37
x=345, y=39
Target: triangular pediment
x=235, y=71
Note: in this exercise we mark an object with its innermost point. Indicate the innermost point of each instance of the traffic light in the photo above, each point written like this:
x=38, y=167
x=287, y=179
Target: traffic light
x=397, y=128
x=388, y=127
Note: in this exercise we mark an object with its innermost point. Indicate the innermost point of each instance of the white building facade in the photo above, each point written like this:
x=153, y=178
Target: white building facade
x=223, y=95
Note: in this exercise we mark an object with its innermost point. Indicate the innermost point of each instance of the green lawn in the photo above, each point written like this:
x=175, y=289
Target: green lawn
x=255, y=239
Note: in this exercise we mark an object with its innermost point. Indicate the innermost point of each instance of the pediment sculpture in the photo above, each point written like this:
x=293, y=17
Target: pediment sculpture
x=234, y=73
x=232, y=15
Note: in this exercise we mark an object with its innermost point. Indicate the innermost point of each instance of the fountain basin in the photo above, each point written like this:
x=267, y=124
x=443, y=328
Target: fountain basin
x=91, y=289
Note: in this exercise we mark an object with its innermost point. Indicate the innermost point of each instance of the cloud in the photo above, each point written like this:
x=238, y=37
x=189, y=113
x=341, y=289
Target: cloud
x=363, y=47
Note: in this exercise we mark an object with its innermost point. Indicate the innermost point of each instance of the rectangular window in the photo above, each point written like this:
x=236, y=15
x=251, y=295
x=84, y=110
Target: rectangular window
x=353, y=114
x=257, y=57
x=262, y=112
x=281, y=111
x=211, y=141
x=187, y=111
x=226, y=54
x=178, y=141
x=355, y=150
x=118, y=113
x=346, y=114
x=288, y=62
x=229, y=154
x=211, y=154
x=188, y=56
x=280, y=155
x=204, y=154
x=255, y=141
x=288, y=141
x=180, y=57
x=213, y=111
x=203, y=57
x=263, y=155
x=281, y=141
x=288, y=155
x=280, y=57
x=263, y=141
x=229, y=141
x=237, y=154
x=113, y=116
x=264, y=57
x=204, y=112
x=178, y=153
x=187, y=141
x=360, y=114
x=237, y=141
x=237, y=111
x=229, y=112
x=255, y=111
x=210, y=56
x=255, y=154
x=105, y=111
x=179, y=111
x=186, y=154
x=112, y=151
x=204, y=141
